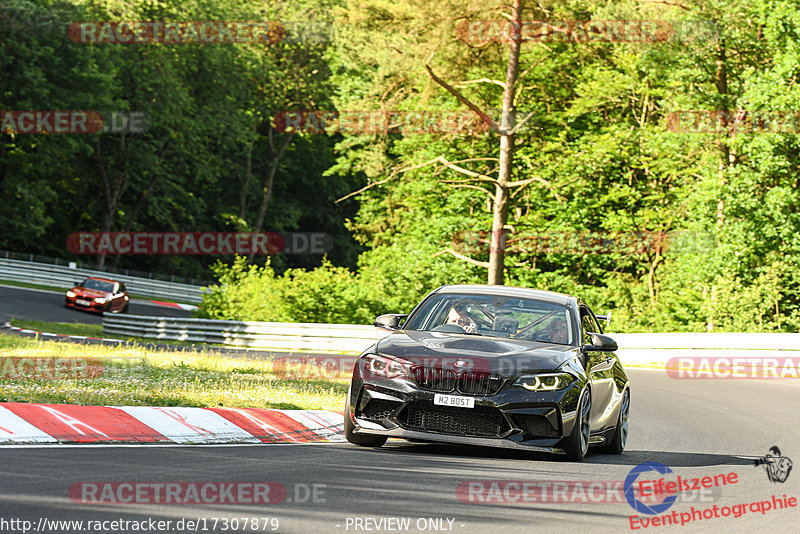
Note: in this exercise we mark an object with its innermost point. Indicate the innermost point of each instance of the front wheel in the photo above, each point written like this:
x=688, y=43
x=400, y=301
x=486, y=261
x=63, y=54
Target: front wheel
x=617, y=443
x=577, y=443
x=365, y=440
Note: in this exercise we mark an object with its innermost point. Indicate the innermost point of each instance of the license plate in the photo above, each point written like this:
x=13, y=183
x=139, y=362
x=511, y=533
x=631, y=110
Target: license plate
x=83, y=302
x=454, y=400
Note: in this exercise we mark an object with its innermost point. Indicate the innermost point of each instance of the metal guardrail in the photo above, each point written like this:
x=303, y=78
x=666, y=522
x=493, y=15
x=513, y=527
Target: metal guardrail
x=333, y=338
x=656, y=349
x=634, y=349
x=83, y=264
x=64, y=276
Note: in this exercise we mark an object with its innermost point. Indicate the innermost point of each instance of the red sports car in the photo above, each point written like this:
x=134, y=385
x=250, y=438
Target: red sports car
x=98, y=295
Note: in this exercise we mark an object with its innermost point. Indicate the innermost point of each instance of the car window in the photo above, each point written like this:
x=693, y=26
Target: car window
x=496, y=316
x=98, y=285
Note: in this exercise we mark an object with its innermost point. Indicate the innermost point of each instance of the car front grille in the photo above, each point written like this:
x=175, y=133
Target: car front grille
x=486, y=422
x=466, y=382
x=479, y=383
x=434, y=378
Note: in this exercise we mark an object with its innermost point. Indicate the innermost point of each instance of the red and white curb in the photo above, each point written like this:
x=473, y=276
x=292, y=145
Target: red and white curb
x=27, y=331
x=187, y=307
x=67, y=423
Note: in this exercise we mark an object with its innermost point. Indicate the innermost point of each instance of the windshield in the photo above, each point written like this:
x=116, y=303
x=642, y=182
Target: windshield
x=99, y=285
x=495, y=316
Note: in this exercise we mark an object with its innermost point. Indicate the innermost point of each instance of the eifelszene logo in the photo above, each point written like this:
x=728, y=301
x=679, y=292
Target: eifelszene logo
x=630, y=495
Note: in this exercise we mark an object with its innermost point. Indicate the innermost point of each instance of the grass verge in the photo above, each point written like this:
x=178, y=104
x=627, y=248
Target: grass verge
x=135, y=376
x=68, y=329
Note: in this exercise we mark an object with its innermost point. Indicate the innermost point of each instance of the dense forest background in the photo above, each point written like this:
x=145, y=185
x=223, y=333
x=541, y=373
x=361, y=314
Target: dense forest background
x=599, y=156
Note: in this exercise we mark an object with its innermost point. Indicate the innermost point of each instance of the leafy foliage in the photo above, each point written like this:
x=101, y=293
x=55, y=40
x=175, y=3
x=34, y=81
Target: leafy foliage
x=602, y=152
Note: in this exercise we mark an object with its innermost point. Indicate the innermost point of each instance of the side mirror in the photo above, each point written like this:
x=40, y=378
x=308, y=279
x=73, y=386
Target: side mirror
x=390, y=321
x=600, y=343
x=77, y=284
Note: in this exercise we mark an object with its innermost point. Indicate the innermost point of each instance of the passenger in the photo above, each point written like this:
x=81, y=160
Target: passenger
x=557, y=331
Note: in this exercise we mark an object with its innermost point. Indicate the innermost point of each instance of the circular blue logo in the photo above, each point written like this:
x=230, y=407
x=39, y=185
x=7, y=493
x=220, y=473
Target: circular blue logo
x=636, y=504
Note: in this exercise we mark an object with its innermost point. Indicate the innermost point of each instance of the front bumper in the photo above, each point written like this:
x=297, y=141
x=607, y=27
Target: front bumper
x=514, y=418
x=92, y=306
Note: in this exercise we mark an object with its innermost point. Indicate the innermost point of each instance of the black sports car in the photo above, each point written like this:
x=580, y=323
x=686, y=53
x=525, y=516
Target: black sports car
x=495, y=366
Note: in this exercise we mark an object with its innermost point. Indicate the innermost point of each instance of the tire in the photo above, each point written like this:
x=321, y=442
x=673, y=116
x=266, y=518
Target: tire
x=364, y=440
x=577, y=443
x=620, y=439
x=125, y=308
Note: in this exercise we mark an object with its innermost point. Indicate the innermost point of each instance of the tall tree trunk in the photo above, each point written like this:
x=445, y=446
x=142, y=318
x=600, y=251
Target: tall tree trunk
x=507, y=135
x=134, y=214
x=113, y=189
x=2, y=157
x=725, y=156
x=269, y=177
x=246, y=183
x=721, y=83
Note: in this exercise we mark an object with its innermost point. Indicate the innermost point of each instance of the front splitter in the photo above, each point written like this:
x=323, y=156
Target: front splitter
x=446, y=438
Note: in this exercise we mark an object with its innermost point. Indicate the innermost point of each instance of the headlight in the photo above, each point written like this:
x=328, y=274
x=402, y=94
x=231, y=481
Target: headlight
x=70, y=294
x=383, y=367
x=100, y=300
x=544, y=382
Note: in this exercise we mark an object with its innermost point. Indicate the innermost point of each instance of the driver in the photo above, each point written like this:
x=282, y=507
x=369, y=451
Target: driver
x=458, y=315
x=557, y=331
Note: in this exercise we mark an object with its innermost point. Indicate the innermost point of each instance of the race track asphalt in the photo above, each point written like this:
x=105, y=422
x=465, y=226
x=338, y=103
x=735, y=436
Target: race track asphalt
x=41, y=305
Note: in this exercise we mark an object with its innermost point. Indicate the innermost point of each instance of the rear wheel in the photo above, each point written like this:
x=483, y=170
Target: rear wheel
x=617, y=443
x=365, y=440
x=577, y=443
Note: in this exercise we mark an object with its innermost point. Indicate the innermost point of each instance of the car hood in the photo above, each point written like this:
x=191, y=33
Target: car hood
x=500, y=355
x=94, y=293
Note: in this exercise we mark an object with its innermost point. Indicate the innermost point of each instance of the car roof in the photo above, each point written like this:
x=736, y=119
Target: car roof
x=510, y=291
